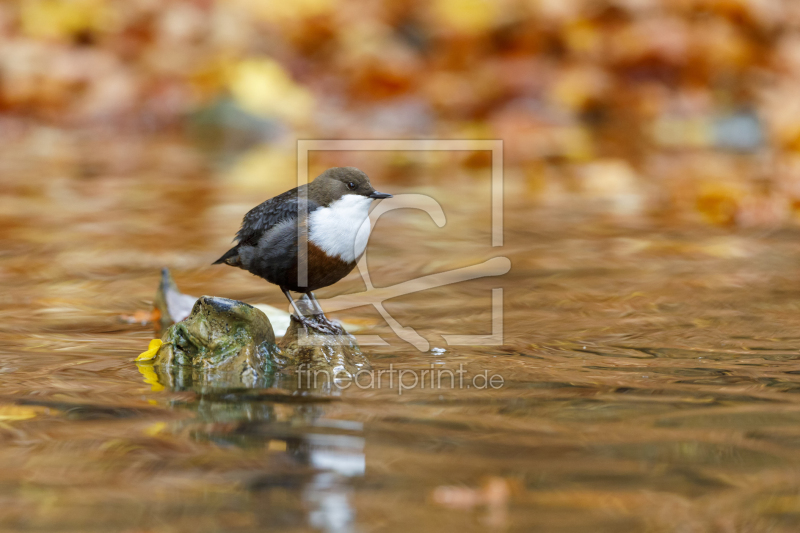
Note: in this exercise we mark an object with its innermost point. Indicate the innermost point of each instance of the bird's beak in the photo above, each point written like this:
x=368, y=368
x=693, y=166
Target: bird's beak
x=379, y=195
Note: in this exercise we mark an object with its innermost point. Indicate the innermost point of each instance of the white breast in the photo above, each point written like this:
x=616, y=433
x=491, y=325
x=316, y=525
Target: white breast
x=334, y=228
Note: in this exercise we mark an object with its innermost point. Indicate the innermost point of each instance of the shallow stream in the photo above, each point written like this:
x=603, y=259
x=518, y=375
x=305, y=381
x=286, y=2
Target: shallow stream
x=650, y=371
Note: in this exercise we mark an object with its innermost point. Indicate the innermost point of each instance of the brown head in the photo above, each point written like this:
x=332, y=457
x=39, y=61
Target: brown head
x=336, y=182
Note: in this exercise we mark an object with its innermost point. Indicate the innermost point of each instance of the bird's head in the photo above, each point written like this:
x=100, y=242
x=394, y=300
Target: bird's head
x=338, y=182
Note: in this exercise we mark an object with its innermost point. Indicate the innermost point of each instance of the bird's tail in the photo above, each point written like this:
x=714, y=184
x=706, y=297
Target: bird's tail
x=231, y=257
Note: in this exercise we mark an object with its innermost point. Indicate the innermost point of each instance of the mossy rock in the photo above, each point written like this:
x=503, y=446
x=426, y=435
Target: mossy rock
x=227, y=344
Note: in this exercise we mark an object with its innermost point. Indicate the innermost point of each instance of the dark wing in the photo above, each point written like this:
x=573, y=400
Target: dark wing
x=266, y=215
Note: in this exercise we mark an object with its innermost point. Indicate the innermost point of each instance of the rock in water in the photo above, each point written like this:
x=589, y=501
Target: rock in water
x=222, y=342
x=171, y=306
x=227, y=344
x=321, y=349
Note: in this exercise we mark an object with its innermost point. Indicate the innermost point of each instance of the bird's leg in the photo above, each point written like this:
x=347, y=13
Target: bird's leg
x=316, y=304
x=288, y=295
x=311, y=322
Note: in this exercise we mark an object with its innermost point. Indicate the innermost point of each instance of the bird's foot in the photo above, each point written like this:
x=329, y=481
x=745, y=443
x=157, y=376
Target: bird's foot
x=321, y=323
x=330, y=324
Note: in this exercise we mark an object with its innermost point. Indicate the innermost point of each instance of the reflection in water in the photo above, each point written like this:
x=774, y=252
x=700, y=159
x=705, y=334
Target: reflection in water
x=330, y=507
x=293, y=425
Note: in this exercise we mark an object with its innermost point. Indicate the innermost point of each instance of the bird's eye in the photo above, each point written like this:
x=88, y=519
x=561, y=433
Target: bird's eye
x=351, y=185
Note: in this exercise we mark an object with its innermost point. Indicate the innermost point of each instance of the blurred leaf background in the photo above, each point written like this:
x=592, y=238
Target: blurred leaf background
x=683, y=109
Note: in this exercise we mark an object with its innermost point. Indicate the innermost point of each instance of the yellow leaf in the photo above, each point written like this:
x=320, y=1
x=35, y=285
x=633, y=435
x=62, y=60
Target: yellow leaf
x=152, y=350
x=154, y=429
x=16, y=412
x=468, y=16
x=249, y=171
x=62, y=18
x=720, y=203
x=150, y=377
x=263, y=87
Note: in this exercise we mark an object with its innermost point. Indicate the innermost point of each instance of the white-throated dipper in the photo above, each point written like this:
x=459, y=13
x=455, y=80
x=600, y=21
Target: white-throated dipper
x=337, y=203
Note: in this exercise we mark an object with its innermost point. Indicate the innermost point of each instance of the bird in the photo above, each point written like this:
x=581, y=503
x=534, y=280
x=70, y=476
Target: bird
x=330, y=211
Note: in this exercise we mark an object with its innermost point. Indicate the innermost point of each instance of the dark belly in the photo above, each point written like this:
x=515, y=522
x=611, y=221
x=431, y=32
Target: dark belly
x=282, y=268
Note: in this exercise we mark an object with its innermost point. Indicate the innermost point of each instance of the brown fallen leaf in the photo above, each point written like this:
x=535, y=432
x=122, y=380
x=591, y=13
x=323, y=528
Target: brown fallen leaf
x=141, y=317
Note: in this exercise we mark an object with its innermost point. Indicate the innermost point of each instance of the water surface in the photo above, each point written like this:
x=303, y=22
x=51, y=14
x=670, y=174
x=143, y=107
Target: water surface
x=650, y=369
